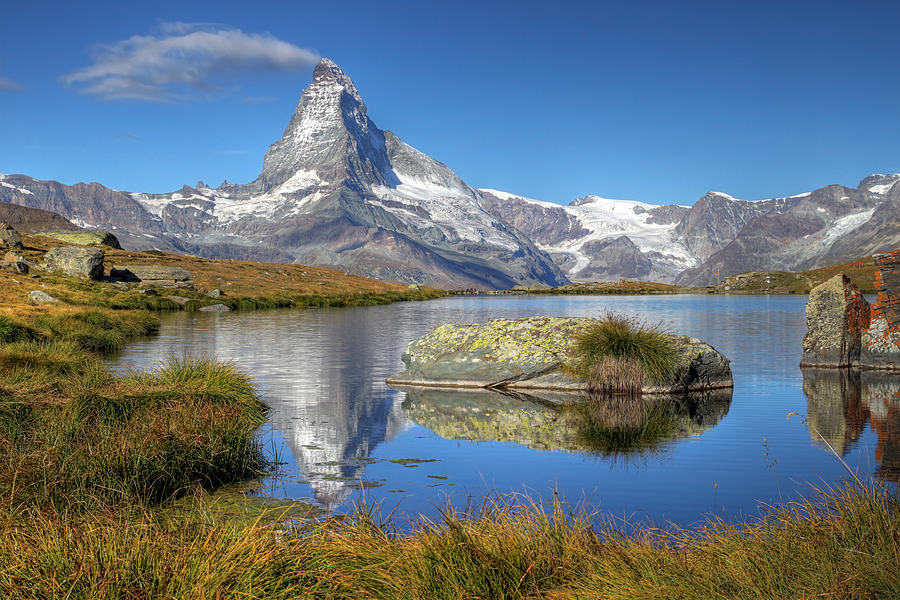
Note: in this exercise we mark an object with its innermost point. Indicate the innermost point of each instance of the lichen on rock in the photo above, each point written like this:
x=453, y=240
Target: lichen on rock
x=533, y=353
x=836, y=315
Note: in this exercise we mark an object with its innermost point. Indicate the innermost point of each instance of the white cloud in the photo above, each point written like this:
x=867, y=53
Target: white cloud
x=9, y=86
x=185, y=61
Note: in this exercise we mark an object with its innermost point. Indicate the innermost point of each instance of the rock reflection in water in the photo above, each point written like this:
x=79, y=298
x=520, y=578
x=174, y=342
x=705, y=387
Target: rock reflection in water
x=557, y=421
x=839, y=404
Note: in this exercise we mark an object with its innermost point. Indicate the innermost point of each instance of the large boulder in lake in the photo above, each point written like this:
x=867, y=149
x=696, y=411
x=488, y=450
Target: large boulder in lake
x=75, y=261
x=533, y=353
x=156, y=275
x=881, y=341
x=836, y=315
x=844, y=331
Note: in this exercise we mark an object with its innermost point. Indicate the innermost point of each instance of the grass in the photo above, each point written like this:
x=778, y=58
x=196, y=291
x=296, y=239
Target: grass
x=623, y=287
x=608, y=351
x=842, y=545
x=73, y=437
x=247, y=285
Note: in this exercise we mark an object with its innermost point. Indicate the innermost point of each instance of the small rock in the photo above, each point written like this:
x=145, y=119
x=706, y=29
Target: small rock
x=39, y=297
x=179, y=299
x=155, y=275
x=216, y=293
x=9, y=237
x=76, y=261
x=19, y=267
x=120, y=285
x=148, y=292
x=215, y=308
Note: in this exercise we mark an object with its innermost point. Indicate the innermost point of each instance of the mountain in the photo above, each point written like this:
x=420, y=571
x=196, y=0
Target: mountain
x=599, y=239
x=337, y=191
x=826, y=226
x=334, y=191
x=33, y=220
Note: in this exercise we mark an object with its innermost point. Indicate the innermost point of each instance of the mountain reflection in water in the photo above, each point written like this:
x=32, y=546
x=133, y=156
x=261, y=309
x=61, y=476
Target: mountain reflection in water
x=842, y=401
x=344, y=437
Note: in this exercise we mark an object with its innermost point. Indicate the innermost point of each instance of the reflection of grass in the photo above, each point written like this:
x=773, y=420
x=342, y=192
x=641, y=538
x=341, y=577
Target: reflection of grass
x=614, y=425
x=615, y=344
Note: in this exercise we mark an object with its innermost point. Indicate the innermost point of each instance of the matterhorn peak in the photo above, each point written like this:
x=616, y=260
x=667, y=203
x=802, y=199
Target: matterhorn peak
x=327, y=72
x=329, y=134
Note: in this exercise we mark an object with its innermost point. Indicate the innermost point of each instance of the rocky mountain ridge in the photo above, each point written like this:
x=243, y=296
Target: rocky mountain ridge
x=599, y=239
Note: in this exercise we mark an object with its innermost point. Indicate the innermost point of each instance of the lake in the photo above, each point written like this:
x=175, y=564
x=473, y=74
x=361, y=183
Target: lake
x=344, y=435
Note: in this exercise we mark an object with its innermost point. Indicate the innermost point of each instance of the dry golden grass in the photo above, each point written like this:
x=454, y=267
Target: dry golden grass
x=273, y=284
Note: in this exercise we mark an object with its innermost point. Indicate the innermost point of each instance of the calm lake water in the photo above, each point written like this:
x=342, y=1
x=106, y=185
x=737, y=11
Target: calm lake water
x=345, y=435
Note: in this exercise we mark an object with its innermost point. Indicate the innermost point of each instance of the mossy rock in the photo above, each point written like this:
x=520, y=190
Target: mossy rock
x=85, y=238
x=533, y=353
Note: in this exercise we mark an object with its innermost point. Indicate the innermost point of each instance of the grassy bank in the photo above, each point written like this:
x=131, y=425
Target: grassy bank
x=73, y=437
x=245, y=285
x=843, y=546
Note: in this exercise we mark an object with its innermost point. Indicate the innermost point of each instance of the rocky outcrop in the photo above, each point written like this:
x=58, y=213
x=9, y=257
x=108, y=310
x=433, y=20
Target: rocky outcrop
x=75, y=261
x=532, y=353
x=85, y=237
x=844, y=331
x=17, y=263
x=836, y=315
x=155, y=275
x=9, y=237
x=881, y=342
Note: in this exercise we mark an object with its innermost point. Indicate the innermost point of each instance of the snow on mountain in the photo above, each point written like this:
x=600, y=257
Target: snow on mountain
x=594, y=219
x=336, y=190
x=846, y=224
x=885, y=183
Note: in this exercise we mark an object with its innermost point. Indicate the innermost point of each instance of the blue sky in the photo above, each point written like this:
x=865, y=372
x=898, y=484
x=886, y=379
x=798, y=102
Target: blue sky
x=651, y=101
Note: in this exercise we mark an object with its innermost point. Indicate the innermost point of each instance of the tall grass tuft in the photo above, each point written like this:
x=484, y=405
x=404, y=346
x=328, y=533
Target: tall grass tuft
x=622, y=340
x=82, y=439
x=13, y=331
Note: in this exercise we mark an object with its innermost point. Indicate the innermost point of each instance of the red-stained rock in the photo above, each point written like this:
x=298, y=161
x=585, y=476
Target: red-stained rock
x=836, y=314
x=881, y=342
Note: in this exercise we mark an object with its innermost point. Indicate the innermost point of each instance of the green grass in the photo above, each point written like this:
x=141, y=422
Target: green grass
x=625, y=338
x=13, y=331
x=73, y=437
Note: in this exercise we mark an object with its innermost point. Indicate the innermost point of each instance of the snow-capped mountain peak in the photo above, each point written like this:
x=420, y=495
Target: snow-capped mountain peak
x=337, y=190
